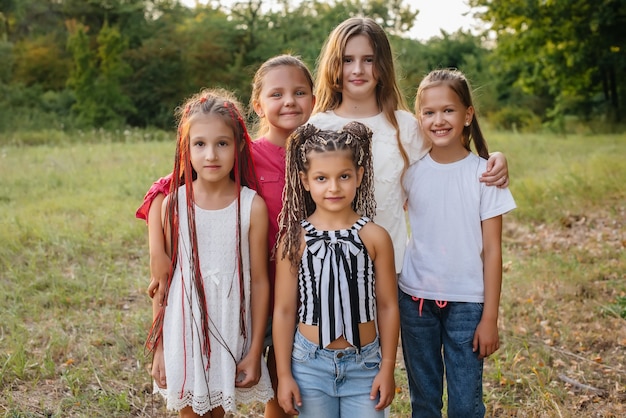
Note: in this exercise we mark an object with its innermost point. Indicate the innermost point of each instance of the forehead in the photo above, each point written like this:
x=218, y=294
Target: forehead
x=210, y=126
x=330, y=161
x=440, y=93
x=285, y=76
x=359, y=45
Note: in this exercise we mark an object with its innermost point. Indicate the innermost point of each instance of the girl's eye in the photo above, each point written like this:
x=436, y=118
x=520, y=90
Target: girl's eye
x=347, y=60
x=369, y=60
x=276, y=95
x=345, y=176
x=320, y=178
x=300, y=93
x=222, y=144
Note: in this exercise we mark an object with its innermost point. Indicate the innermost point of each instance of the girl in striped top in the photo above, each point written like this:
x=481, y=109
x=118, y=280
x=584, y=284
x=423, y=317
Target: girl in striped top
x=335, y=273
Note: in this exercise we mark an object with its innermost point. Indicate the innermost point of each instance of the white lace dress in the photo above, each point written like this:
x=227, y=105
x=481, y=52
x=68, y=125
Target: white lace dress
x=191, y=379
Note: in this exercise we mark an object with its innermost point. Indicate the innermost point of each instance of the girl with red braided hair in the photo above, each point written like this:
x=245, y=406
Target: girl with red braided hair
x=207, y=336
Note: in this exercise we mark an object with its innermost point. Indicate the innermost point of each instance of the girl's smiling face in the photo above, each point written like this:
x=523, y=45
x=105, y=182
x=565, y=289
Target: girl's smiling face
x=443, y=118
x=359, y=78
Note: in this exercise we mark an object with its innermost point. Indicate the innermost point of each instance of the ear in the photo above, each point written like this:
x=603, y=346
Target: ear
x=313, y=101
x=305, y=180
x=469, y=115
x=258, y=109
x=359, y=176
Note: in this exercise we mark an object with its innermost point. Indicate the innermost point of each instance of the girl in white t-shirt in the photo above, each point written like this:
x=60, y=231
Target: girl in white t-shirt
x=356, y=80
x=450, y=283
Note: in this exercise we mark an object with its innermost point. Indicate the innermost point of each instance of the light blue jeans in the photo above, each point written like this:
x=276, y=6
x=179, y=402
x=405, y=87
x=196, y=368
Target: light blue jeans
x=335, y=383
x=438, y=339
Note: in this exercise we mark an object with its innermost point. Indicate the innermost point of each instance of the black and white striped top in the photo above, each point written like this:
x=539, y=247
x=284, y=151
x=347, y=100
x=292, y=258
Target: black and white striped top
x=336, y=283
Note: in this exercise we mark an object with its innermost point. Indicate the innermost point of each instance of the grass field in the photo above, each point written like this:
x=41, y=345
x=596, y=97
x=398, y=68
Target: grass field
x=74, y=268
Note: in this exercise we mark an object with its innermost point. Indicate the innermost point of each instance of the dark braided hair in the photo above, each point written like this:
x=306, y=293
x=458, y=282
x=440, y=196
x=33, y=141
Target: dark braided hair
x=298, y=204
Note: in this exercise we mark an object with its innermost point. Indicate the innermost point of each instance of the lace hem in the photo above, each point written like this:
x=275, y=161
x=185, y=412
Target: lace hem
x=203, y=404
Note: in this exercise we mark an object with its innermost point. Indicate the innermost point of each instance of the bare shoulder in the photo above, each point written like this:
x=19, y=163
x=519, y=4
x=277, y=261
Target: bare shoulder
x=258, y=206
x=373, y=234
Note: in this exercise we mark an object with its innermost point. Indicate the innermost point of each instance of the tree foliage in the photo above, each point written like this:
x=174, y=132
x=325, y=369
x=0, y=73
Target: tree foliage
x=569, y=53
x=131, y=62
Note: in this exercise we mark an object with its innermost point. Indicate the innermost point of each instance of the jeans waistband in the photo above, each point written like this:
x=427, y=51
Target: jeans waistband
x=314, y=349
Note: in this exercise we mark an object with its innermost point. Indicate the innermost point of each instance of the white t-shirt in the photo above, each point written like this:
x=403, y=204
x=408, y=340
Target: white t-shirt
x=388, y=167
x=447, y=203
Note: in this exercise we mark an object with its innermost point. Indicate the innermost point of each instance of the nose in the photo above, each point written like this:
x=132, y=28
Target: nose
x=333, y=185
x=358, y=67
x=438, y=118
x=289, y=99
x=210, y=153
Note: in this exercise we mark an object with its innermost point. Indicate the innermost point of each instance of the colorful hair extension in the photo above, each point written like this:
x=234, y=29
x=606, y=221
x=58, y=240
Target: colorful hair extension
x=220, y=103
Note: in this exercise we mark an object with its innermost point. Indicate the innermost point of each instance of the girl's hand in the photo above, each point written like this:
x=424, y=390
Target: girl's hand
x=289, y=395
x=383, y=387
x=497, y=173
x=486, y=338
x=158, y=367
x=159, y=271
x=248, y=371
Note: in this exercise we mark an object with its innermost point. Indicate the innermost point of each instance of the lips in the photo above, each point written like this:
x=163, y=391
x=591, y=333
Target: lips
x=440, y=132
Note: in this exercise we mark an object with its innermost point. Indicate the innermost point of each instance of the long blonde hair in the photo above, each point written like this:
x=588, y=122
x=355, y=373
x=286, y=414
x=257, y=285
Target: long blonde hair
x=329, y=72
x=354, y=137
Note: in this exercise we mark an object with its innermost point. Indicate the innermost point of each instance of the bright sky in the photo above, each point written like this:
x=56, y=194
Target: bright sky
x=434, y=15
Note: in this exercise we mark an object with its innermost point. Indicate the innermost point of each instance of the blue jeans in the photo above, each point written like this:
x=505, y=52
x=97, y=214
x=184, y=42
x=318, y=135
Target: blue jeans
x=335, y=383
x=438, y=339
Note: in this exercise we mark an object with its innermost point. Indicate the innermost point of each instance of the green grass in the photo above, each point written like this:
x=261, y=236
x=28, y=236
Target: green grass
x=74, y=268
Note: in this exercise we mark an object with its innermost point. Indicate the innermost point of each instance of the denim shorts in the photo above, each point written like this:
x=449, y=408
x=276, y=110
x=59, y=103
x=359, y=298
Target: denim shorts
x=335, y=383
x=435, y=341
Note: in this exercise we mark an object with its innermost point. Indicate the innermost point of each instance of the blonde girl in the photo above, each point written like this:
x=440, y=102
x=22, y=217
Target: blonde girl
x=451, y=279
x=207, y=337
x=282, y=99
x=336, y=275
x=356, y=80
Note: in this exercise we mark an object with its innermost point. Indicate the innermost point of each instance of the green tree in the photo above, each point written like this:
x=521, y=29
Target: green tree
x=41, y=60
x=97, y=76
x=569, y=53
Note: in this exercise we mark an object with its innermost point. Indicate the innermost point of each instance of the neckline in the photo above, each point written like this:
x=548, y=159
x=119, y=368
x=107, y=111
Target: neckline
x=356, y=119
x=354, y=226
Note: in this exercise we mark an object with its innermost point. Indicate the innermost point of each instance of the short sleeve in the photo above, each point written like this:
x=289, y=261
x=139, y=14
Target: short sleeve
x=161, y=186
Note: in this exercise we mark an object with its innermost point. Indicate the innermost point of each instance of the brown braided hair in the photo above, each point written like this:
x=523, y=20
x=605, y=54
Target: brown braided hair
x=298, y=205
x=223, y=104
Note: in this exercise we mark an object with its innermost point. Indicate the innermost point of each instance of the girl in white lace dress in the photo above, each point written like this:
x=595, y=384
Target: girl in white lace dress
x=207, y=339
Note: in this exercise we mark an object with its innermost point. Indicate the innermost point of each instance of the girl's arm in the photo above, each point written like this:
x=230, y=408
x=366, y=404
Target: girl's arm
x=158, y=361
x=486, y=338
x=283, y=329
x=249, y=368
x=497, y=173
x=387, y=311
x=159, y=260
